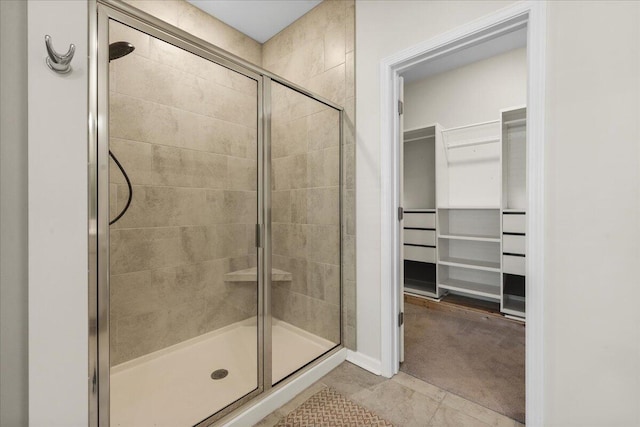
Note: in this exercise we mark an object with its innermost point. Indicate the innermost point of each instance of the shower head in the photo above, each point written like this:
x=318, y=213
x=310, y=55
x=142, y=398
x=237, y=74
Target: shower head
x=120, y=49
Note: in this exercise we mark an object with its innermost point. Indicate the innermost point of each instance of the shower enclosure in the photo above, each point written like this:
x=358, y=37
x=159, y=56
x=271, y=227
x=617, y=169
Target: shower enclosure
x=215, y=226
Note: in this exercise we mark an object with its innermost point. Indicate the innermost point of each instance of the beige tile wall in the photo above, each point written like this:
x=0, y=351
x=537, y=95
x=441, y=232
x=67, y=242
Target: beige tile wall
x=306, y=212
x=189, y=18
x=185, y=131
x=317, y=52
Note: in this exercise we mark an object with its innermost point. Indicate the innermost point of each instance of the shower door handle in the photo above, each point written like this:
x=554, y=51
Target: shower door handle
x=258, y=235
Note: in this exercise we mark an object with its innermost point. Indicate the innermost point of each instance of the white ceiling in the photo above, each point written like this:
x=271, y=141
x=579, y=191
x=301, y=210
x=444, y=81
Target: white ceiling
x=259, y=19
x=513, y=40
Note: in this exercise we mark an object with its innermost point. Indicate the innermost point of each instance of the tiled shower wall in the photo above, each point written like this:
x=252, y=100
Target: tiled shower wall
x=317, y=52
x=306, y=212
x=185, y=131
x=189, y=18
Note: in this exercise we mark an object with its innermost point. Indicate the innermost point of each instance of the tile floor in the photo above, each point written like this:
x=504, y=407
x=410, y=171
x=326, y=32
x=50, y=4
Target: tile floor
x=403, y=400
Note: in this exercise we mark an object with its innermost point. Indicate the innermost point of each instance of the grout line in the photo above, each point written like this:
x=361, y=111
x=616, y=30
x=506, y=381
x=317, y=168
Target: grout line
x=181, y=148
x=193, y=190
x=293, y=119
x=429, y=423
x=226, y=70
x=330, y=187
x=173, y=267
x=313, y=298
x=181, y=109
x=124, y=185
x=463, y=398
x=192, y=74
x=478, y=404
x=214, y=225
x=184, y=187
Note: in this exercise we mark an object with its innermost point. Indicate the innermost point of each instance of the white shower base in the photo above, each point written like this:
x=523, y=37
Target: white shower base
x=173, y=386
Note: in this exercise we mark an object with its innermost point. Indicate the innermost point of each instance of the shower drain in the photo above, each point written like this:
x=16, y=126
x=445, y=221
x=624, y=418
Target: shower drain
x=219, y=374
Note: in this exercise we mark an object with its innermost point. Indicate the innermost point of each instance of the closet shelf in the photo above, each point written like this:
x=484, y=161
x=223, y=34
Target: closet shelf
x=469, y=207
x=421, y=210
x=473, y=125
x=420, y=291
x=479, y=289
x=516, y=122
x=473, y=142
x=420, y=138
x=470, y=135
x=471, y=264
x=515, y=307
x=450, y=236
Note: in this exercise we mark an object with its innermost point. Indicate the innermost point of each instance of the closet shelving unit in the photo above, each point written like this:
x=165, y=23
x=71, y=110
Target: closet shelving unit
x=469, y=238
x=465, y=211
x=469, y=255
x=420, y=224
x=514, y=208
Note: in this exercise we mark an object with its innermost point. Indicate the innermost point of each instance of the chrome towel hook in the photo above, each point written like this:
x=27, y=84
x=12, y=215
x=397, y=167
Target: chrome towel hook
x=59, y=63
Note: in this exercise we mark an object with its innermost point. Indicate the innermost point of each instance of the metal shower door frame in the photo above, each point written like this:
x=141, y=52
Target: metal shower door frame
x=100, y=12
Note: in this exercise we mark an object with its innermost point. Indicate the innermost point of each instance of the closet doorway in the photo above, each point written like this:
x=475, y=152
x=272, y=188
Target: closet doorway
x=464, y=201
x=465, y=181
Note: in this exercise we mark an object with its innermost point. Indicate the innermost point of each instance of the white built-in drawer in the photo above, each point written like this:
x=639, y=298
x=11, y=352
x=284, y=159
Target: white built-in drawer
x=420, y=253
x=514, y=223
x=420, y=237
x=513, y=264
x=514, y=244
x=420, y=220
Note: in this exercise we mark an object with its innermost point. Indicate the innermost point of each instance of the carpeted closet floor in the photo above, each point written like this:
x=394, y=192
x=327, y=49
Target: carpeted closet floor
x=477, y=356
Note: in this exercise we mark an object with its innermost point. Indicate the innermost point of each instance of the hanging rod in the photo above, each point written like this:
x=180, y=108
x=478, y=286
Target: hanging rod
x=472, y=142
x=515, y=122
x=472, y=125
x=419, y=138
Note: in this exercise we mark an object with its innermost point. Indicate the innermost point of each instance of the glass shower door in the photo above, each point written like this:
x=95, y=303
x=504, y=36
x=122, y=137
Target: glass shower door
x=183, y=202
x=305, y=224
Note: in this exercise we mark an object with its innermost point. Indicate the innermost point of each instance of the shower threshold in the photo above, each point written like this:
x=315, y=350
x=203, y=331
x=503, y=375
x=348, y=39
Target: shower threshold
x=174, y=387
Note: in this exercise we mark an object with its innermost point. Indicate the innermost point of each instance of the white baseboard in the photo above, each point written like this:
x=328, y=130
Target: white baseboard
x=365, y=362
x=276, y=398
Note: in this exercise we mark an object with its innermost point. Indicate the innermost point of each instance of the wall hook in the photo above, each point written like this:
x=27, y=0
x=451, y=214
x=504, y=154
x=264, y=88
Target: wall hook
x=59, y=63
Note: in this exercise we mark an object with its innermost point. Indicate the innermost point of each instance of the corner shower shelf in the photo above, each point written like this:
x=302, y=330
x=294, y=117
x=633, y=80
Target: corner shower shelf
x=251, y=275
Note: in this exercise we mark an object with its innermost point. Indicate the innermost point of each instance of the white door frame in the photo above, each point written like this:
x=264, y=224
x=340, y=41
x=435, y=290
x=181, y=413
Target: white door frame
x=533, y=15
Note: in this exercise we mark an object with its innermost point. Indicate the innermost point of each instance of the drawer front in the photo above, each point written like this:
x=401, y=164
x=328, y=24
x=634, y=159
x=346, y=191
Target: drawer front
x=514, y=244
x=420, y=237
x=420, y=253
x=514, y=223
x=420, y=220
x=513, y=264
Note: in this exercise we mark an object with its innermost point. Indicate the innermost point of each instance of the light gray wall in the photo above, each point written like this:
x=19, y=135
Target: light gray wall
x=420, y=174
x=592, y=197
x=13, y=214
x=592, y=178
x=473, y=93
x=58, y=245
